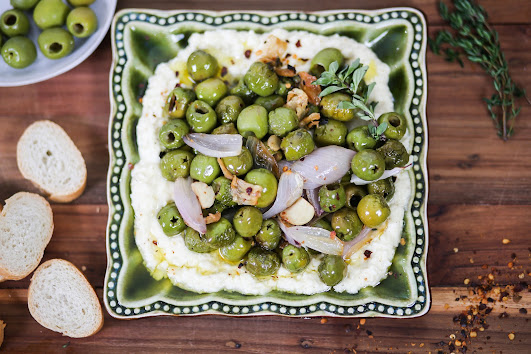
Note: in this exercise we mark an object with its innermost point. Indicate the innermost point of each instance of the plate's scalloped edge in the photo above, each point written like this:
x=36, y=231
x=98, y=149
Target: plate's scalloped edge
x=321, y=308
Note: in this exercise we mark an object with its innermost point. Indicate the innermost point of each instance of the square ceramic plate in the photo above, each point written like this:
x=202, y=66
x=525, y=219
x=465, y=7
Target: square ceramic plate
x=142, y=39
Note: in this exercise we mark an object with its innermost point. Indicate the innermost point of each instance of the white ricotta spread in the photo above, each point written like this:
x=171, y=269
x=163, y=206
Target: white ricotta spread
x=200, y=272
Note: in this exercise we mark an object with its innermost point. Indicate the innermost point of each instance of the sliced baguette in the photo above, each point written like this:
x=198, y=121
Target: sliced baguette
x=26, y=227
x=49, y=158
x=60, y=298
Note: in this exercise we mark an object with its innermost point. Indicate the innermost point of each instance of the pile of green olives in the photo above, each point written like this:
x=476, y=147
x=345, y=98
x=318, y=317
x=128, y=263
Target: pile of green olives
x=50, y=16
x=255, y=106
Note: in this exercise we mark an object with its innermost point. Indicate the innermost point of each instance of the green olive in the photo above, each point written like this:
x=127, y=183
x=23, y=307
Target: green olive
x=229, y=108
x=332, y=197
x=282, y=120
x=262, y=262
x=332, y=133
x=283, y=87
x=297, y=144
x=228, y=128
x=253, y=119
x=81, y=2
x=195, y=242
x=354, y=194
x=346, y=224
x=55, y=43
x=171, y=134
x=82, y=22
x=295, y=259
x=178, y=101
x=384, y=187
x=204, y=168
x=359, y=139
x=211, y=91
x=332, y=270
x=396, y=125
x=322, y=60
x=237, y=250
x=329, y=107
x=368, y=165
x=373, y=210
x=24, y=4
x=241, y=164
x=175, y=164
x=201, y=117
x=247, y=221
x=394, y=153
x=269, y=235
x=221, y=187
x=14, y=23
x=261, y=79
x=50, y=13
x=217, y=207
x=322, y=223
x=270, y=102
x=201, y=65
x=266, y=179
x=170, y=220
x=220, y=233
x=242, y=91
x=19, y=52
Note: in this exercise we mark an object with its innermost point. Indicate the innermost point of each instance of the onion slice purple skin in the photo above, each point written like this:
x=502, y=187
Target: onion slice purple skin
x=313, y=197
x=188, y=204
x=315, y=238
x=289, y=191
x=324, y=165
x=215, y=145
x=388, y=173
x=365, y=235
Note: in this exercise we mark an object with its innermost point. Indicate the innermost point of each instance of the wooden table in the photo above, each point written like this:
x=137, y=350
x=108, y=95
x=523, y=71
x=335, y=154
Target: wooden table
x=480, y=193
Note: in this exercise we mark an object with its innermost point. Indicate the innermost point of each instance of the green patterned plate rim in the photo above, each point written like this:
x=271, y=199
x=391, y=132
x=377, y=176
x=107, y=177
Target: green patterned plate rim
x=143, y=38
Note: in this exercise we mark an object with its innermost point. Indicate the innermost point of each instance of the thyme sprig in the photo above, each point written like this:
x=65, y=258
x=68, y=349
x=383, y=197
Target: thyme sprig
x=349, y=79
x=474, y=38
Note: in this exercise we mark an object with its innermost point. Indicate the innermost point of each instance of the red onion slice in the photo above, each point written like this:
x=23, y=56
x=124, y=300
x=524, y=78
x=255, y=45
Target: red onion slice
x=315, y=238
x=188, y=204
x=388, y=173
x=215, y=145
x=352, y=246
x=289, y=190
x=313, y=197
x=324, y=165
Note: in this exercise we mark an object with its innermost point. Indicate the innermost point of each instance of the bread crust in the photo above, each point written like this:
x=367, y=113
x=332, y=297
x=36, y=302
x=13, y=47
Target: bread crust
x=31, y=294
x=2, y=326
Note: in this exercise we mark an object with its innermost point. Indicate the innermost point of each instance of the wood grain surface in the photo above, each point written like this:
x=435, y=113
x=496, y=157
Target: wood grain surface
x=480, y=194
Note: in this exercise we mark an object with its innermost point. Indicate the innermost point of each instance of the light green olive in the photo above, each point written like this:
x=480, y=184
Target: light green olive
x=332, y=133
x=332, y=197
x=201, y=117
x=201, y=65
x=253, y=119
x=175, y=164
x=242, y=91
x=19, y=52
x=24, y=4
x=270, y=102
x=237, y=250
x=221, y=187
x=170, y=220
x=247, y=221
x=295, y=259
x=220, y=233
x=359, y=139
x=241, y=164
x=178, y=101
x=14, y=23
x=297, y=144
x=332, y=270
x=330, y=110
x=228, y=128
x=396, y=125
x=55, y=43
x=269, y=235
x=82, y=22
x=282, y=120
x=229, y=108
x=171, y=134
x=50, y=13
x=368, y=165
x=261, y=79
x=346, y=224
x=204, y=168
x=373, y=210
x=195, y=242
x=322, y=60
x=211, y=91
x=266, y=179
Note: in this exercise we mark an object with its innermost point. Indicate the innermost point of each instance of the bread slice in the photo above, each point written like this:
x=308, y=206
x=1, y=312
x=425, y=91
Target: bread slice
x=2, y=326
x=26, y=226
x=60, y=298
x=49, y=158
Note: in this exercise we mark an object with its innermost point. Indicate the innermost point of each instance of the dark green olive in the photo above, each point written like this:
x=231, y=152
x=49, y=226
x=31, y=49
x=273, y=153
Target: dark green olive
x=295, y=259
x=228, y=128
x=354, y=194
x=175, y=164
x=322, y=60
x=359, y=139
x=261, y=262
x=237, y=250
x=329, y=107
x=373, y=210
x=14, y=23
x=332, y=133
x=50, y=13
x=332, y=270
x=221, y=186
x=195, y=242
x=247, y=221
x=19, y=52
x=229, y=108
x=220, y=233
x=170, y=220
x=242, y=91
x=332, y=197
x=322, y=223
x=267, y=180
x=383, y=187
x=297, y=144
x=283, y=87
x=204, y=168
x=394, y=153
x=346, y=224
x=396, y=125
x=82, y=22
x=261, y=79
x=217, y=207
x=368, y=165
x=269, y=235
x=241, y=164
x=171, y=134
x=178, y=101
x=201, y=65
x=201, y=117
x=270, y=102
x=282, y=120
x=253, y=119
x=24, y=4
x=55, y=43
x=211, y=91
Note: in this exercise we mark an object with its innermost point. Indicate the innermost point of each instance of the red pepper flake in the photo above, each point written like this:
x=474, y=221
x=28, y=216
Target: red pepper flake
x=249, y=190
x=176, y=74
x=155, y=243
x=367, y=254
x=247, y=53
x=130, y=166
x=224, y=71
x=140, y=100
x=298, y=44
x=332, y=234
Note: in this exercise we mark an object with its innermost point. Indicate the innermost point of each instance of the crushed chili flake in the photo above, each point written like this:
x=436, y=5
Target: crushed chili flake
x=247, y=53
x=298, y=44
x=130, y=166
x=224, y=71
x=249, y=190
x=367, y=254
x=176, y=74
x=155, y=243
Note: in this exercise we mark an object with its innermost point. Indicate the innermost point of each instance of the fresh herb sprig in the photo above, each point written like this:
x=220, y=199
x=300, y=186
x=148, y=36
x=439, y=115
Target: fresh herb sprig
x=349, y=79
x=475, y=39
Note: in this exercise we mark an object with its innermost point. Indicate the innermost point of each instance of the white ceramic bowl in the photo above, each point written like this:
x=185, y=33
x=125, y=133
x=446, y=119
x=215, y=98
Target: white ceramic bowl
x=44, y=68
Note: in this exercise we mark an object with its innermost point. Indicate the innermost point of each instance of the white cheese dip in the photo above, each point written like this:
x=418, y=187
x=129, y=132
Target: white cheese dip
x=200, y=272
